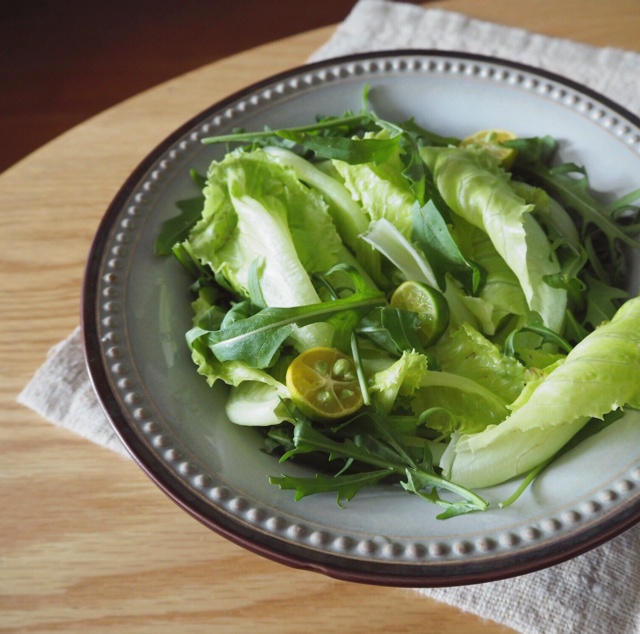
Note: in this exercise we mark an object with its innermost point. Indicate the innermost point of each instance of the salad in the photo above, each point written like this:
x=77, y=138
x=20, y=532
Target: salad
x=393, y=306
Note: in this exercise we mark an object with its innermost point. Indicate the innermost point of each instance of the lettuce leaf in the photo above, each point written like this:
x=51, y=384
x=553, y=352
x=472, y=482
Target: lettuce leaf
x=501, y=288
x=402, y=378
x=381, y=190
x=349, y=218
x=384, y=236
x=256, y=209
x=457, y=403
x=486, y=382
x=257, y=404
x=480, y=193
x=598, y=376
x=466, y=352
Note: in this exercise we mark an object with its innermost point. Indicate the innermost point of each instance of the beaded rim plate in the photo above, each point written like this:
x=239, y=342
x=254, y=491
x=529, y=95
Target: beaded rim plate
x=136, y=311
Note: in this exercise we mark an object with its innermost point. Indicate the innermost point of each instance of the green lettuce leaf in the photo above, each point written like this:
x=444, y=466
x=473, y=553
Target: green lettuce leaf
x=480, y=193
x=257, y=404
x=598, y=376
x=402, y=378
x=382, y=190
x=256, y=208
x=466, y=352
x=475, y=386
x=501, y=288
x=384, y=236
x=348, y=217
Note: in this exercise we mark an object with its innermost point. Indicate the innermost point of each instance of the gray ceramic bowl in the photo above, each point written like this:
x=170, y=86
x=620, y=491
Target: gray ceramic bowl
x=136, y=310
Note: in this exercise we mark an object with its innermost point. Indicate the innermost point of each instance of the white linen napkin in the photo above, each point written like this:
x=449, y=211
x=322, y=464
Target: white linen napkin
x=595, y=593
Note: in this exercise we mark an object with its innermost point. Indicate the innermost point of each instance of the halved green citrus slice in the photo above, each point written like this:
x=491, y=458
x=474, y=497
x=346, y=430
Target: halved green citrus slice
x=491, y=140
x=430, y=305
x=323, y=384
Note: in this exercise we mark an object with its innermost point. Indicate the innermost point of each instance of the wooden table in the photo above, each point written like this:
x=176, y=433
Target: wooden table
x=87, y=543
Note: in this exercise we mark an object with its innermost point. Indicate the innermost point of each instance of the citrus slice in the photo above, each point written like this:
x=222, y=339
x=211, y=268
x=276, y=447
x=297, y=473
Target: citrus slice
x=430, y=305
x=491, y=140
x=323, y=384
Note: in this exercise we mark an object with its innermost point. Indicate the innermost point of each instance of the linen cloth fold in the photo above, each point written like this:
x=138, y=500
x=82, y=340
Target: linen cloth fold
x=595, y=593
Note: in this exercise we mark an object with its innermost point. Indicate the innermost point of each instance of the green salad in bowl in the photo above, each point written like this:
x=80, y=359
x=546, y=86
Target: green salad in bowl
x=392, y=305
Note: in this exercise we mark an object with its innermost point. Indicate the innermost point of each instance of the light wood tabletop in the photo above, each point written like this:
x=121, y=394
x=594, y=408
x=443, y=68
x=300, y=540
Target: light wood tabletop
x=87, y=542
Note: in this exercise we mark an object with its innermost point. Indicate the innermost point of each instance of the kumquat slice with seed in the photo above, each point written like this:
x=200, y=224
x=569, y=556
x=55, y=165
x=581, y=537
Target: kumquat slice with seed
x=323, y=384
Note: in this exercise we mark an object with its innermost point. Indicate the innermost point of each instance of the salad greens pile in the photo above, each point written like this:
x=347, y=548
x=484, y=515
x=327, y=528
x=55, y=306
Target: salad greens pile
x=297, y=247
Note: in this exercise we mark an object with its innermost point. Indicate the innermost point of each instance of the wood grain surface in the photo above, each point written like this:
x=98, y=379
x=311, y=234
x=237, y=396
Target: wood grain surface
x=87, y=543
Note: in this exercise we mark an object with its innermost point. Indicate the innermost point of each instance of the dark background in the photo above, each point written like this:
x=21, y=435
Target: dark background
x=62, y=61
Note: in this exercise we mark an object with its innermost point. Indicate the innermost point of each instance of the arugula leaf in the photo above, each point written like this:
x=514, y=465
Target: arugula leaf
x=401, y=326
x=379, y=420
x=395, y=331
x=575, y=192
x=257, y=339
x=176, y=229
x=570, y=183
x=390, y=458
x=353, y=151
x=348, y=124
x=601, y=304
x=574, y=331
x=346, y=486
x=308, y=439
x=426, y=137
x=415, y=171
x=536, y=327
x=426, y=486
x=431, y=234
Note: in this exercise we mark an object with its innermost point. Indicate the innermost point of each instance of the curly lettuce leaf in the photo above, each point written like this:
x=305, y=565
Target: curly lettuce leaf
x=257, y=209
x=466, y=352
x=598, y=376
x=382, y=190
x=500, y=288
x=475, y=386
x=403, y=378
x=349, y=218
x=480, y=193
